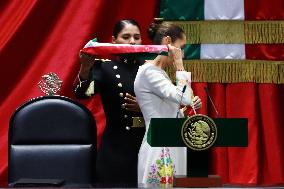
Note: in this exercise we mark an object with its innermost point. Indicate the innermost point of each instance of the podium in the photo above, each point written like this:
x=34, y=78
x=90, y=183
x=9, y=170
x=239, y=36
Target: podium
x=232, y=132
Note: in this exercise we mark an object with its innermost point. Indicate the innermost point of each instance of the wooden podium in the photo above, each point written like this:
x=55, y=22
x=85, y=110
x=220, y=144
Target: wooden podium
x=231, y=132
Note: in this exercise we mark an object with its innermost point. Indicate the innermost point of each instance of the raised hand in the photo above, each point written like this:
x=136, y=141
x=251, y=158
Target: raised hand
x=87, y=62
x=176, y=54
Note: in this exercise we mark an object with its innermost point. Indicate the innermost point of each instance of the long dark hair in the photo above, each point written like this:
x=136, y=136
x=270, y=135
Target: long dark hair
x=121, y=24
x=159, y=29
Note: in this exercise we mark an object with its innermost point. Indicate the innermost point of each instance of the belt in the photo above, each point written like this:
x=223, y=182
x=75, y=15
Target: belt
x=138, y=122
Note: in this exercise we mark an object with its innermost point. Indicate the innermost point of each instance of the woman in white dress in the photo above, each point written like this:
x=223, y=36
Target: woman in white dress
x=158, y=97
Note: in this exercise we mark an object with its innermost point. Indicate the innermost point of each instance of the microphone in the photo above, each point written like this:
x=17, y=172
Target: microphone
x=210, y=99
x=183, y=90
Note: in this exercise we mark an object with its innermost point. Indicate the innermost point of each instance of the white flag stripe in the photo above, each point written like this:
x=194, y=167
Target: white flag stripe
x=223, y=10
x=222, y=51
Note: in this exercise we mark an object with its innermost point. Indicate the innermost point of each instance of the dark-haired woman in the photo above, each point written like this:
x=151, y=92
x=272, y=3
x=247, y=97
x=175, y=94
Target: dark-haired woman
x=114, y=80
x=159, y=98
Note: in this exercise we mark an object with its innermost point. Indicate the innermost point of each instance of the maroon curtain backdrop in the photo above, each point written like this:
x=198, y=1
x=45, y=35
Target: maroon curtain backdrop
x=262, y=162
x=37, y=37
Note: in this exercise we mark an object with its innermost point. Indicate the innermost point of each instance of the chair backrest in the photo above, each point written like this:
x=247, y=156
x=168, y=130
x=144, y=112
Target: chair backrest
x=52, y=137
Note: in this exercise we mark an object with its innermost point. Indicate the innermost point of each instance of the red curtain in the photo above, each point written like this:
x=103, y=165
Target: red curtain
x=262, y=162
x=38, y=37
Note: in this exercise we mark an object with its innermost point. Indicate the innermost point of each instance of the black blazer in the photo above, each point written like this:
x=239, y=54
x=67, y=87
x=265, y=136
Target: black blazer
x=118, y=154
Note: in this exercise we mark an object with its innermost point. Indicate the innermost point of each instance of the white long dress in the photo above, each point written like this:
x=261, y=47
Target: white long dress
x=159, y=98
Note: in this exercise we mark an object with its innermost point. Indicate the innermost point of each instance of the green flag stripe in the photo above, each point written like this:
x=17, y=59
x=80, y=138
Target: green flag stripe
x=175, y=9
x=191, y=52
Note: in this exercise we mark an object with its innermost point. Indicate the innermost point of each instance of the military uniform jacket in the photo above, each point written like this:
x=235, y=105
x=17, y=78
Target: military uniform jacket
x=118, y=153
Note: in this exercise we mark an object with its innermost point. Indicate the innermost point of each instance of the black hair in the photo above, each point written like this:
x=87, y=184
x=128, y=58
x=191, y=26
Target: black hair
x=121, y=24
x=159, y=29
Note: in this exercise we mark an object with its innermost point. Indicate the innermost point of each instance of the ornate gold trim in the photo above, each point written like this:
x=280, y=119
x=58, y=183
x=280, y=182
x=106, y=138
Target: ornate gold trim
x=234, y=71
x=233, y=31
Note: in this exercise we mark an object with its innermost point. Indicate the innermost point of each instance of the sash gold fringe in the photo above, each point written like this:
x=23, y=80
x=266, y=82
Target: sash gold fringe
x=234, y=71
x=233, y=31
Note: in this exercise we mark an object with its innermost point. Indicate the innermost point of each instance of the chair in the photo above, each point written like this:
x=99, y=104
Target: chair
x=52, y=139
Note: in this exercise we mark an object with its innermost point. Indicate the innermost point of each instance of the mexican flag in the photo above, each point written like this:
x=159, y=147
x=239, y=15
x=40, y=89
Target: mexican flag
x=235, y=47
x=234, y=31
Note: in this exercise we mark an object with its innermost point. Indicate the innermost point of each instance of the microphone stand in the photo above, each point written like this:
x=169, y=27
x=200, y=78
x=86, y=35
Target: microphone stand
x=211, y=101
